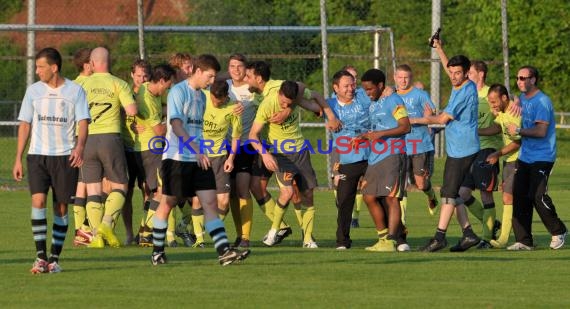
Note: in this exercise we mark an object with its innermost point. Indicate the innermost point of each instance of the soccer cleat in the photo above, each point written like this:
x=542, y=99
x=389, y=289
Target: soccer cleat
x=354, y=223
x=496, y=228
x=233, y=255
x=270, y=238
x=517, y=246
x=383, y=245
x=39, y=266
x=97, y=242
x=82, y=238
x=558, y=241
x=158, y=258
x=341, y=248
x=145, y=240
x=108, y=235
x=496, y=244
x=484, y=245
x=200, y=245
x=54, y=267
x=465, y=243
x=310, y=245
x=432, y=206
x=282, y=234
x=236, y=242
x=434, y=245
x=186, y=237
x=404, y=247
x=244, y=243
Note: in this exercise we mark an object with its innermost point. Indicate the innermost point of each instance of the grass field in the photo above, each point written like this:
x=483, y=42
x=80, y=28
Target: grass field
x=289, y=276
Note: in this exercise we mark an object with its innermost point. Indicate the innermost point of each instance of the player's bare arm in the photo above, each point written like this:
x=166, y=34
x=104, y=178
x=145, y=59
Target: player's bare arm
x=23, y=135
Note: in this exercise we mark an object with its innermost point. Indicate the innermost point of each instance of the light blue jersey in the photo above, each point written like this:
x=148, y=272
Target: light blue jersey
x=419, y=139
x=53, y=114
x=538, y=108
x=188, y=105
x=354, y=117
x=384, y=114
x=461, y=135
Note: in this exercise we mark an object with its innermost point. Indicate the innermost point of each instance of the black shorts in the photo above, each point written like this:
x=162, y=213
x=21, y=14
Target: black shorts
x=386, y=178
x=419, y=164
x=243, y=160
x=183, y=179
x=453, y=174
x=259, y=169
x=296, y=166
x=136, y=175
x=222, y=178
x=104, y=155
x=483, y=176
x=55, y=172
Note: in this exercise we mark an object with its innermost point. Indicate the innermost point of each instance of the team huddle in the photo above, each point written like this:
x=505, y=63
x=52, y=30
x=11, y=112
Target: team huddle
x=96, y=138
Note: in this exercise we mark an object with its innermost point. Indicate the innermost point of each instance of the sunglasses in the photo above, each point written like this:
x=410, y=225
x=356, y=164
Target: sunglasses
x=523, y=78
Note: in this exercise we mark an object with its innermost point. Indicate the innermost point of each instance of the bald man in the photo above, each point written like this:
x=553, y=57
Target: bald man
x=104, y=153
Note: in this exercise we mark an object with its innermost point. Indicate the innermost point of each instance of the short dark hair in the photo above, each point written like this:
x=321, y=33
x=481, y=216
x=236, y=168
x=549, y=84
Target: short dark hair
x=375, y=76
x=52, y=56
x=499, y=89
x=480, y=66
x=220, y=89
x=142, y=64
x=260, y=68
x=533, y=72
x=81, y=57
x=404, y=67
x=340, y=74
x=239, y=57
x=289, y=89
x=206, y=62
x=162, y=71
x=459, y=61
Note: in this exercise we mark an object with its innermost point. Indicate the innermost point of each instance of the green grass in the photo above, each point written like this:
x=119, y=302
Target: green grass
x=288, y=276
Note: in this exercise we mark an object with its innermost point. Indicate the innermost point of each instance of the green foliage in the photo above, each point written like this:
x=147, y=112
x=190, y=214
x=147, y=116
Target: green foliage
x=9, y=8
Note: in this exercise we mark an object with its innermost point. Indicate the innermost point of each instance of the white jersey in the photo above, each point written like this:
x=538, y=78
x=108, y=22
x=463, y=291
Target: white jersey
x=246, y=98
x=188, y=105
x=53, y=114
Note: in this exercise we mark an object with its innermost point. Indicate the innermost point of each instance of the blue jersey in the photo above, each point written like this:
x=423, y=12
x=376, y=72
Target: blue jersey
x=354, y=118
x=419, y=139
x=538, y=108
x=461, y=135
x=188, y=105
x=384, y=115
x=53, y=114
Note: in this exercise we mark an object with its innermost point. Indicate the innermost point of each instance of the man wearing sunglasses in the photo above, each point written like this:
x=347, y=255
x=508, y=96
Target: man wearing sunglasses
x=536, y=158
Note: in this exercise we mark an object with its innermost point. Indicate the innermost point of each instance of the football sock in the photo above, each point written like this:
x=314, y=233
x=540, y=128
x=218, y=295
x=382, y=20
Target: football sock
x=334, y=192
x=113, y=206
x=439, y=234
x=39, y=229
x=198, y=223
x=171, y=225
x=382, y=234
x=94, y=208
x=489, y=214
x=403, y=207
x=506, y=224
x=145, y=212
x=158, y=234
x=246, y=214
x=60, y=225
x=235, y=208
x=217, y=231
x=267, y=205
x=299, y=213
x=475, y=208
x=359, y=201
x=468, y=231
x=308, y=224
x=278, y=214
x=79, y=212
x=152, y=207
